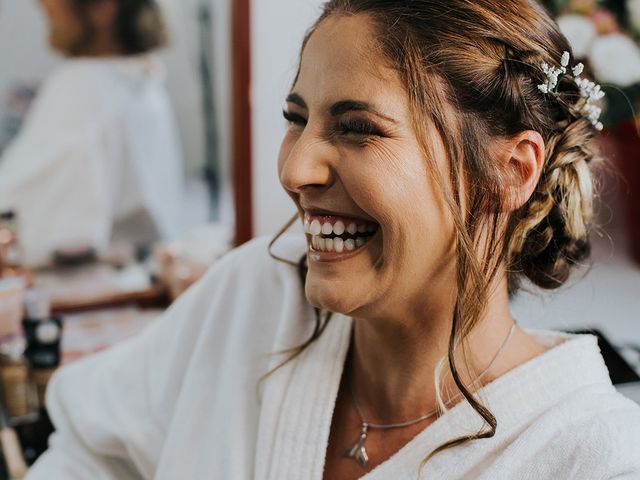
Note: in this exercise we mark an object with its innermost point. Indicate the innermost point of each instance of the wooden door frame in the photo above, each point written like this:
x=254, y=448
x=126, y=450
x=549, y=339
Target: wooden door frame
x=241, y=148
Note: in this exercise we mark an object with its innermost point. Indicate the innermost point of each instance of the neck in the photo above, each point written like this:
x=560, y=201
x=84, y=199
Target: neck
x=102, y=45
x=392, y=362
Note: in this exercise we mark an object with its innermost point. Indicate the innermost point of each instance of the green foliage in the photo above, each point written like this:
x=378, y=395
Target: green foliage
x=621, y=104
x=556, y=6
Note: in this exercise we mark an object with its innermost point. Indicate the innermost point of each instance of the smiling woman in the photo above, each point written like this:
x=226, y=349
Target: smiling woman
x=438, y=153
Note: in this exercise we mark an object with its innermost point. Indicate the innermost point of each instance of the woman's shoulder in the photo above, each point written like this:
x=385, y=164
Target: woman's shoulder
x=596, y=428
x=586, y=420
x=261, y=289
x=74, y=78
x=255, y=262
x=560, y=415
x=74, y=89
x=91, y=87
x=248, y=280
x=89, y=74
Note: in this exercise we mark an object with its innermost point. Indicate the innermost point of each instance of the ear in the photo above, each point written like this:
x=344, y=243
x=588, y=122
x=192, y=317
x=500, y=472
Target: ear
x=524, y=156
x=103, y=14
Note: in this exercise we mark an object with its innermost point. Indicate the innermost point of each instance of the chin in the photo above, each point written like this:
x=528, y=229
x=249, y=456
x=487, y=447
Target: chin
x=337, y=300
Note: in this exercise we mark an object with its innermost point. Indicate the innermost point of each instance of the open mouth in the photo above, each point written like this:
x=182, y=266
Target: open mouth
x=338, y=234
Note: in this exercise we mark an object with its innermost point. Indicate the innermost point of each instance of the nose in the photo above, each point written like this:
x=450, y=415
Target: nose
x=307, y=163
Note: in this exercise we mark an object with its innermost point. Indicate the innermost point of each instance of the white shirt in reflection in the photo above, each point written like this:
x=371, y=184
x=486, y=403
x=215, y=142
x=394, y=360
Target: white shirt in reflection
x=98, y=159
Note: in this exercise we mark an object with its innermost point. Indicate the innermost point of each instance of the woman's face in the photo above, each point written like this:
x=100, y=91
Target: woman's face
x=67, y=28
x=350, y=160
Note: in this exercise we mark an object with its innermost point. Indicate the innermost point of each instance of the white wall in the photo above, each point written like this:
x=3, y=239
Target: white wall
x=278, y=27
x=183, y=82
x=24, y=57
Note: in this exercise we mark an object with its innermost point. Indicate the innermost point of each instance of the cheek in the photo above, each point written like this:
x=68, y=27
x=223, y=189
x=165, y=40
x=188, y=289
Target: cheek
x=395, y=186
x=415, y=214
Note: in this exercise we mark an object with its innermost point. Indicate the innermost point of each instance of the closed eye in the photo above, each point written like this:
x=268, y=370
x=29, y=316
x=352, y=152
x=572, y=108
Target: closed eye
x=294, y=118
x=358, y=127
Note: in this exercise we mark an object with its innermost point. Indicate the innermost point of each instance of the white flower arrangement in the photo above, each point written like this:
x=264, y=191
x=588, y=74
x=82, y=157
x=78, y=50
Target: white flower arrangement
x=615, y=57
x=580, y=31
x=605, y=34
x=590, y=92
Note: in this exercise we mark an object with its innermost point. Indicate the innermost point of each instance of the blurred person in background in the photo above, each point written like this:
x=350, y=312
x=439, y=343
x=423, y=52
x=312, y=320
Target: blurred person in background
x=98, y=158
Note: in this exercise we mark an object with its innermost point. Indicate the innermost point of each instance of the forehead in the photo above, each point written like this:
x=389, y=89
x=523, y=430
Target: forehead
x=342, y=59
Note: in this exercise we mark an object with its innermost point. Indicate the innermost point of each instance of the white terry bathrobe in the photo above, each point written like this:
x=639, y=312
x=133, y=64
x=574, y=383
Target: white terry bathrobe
x=97, y=158
x=180, y=401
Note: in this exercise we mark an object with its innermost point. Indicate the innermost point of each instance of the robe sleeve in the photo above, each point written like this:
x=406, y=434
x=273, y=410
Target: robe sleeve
x=112, y=410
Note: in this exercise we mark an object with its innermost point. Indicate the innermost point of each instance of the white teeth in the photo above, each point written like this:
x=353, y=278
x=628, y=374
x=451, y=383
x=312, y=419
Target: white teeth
x=328, y=244
x=315, y=228
x=337, y=244
x=350, y=245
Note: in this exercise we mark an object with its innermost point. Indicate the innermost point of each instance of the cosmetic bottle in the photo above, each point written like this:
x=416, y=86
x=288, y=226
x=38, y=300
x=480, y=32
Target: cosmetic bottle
x=18, y=391
x=43, y=333
x=11, y=264
x=10, y=256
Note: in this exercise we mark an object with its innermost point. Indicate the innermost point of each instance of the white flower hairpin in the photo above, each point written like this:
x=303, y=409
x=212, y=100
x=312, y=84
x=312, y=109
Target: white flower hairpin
x=590, y=92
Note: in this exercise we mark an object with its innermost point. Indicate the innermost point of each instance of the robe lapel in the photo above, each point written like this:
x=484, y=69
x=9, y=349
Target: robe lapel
x=298, y=406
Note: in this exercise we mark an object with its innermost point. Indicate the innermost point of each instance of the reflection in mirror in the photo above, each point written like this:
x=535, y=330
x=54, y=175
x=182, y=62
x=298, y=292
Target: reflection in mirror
x=112, y=127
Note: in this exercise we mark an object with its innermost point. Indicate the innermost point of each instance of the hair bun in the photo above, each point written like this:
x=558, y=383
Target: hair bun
x=552, y=231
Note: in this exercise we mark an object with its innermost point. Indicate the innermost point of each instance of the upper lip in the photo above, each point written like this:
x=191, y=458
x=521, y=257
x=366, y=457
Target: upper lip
x=315, y=211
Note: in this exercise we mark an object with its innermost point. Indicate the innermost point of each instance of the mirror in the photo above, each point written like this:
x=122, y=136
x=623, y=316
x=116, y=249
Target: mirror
x=189, y=174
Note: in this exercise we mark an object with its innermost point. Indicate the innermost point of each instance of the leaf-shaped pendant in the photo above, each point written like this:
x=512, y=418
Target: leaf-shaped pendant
x=358, y=452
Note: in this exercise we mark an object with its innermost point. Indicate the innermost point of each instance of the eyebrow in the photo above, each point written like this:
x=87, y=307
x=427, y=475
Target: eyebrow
x=342, y=107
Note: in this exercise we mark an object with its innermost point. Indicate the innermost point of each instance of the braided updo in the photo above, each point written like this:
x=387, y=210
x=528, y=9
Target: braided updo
x=550, y=233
